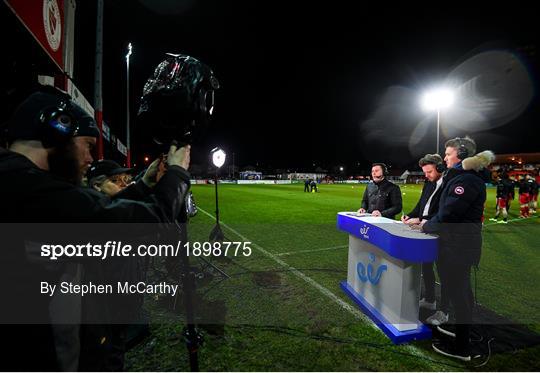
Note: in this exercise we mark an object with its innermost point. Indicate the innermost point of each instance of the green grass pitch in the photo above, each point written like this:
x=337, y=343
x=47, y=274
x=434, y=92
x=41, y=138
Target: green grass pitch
x=285, y=311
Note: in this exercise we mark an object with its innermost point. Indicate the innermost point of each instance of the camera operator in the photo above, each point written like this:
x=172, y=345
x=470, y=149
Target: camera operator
x=50, y=140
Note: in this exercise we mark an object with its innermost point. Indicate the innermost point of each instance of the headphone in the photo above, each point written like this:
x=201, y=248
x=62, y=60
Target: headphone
x=54, y=124
x=435, y=160
x=462, y=152
x=383, y=166
x=440, y=167
x=57, y=124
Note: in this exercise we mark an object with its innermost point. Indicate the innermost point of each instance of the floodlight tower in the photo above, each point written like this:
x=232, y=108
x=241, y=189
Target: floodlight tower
x=128, y=139
x=436, y=100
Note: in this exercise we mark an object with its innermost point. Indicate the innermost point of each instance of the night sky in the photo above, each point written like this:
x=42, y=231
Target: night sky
x=329, y=85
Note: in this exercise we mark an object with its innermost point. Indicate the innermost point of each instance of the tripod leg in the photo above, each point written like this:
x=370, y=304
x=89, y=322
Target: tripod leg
x=192, y=336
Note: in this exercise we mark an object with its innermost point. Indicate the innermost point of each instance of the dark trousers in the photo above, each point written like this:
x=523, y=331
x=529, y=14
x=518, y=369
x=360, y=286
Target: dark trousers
x=456, y=280
x=429, y=281
x=429, y=285
x=306, y=187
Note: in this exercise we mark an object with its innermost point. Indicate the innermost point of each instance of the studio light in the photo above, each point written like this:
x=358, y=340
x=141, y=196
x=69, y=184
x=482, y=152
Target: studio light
x=218, y=157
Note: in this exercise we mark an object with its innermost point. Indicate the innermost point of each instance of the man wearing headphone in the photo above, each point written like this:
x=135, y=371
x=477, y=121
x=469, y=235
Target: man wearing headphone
x=458, y=223
x=50, y=140
x=381, y=197
x=433, y=167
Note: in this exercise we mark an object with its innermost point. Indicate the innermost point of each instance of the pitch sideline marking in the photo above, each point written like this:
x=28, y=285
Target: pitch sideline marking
x=312, y=251
x=347, y=307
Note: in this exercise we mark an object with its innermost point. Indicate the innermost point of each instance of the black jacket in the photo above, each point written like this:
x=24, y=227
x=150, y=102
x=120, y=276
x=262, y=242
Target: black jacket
x=524, y=187
x=458, y=221
x=427, y=191
x=31, y=195
x=384, y=196
x=505, y=189
x=534, y=187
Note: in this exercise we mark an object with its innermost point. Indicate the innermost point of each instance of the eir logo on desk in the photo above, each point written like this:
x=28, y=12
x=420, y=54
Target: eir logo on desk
x=364, y=232
x=370, y=276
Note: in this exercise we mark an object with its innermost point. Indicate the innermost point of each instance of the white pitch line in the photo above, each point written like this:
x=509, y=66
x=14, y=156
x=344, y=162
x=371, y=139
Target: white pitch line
x=511, y=220
x=304, y=277
x=347, y=307
x=312, y=251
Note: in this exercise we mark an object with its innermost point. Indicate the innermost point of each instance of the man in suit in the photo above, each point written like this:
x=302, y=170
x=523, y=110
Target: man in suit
x=433, y=167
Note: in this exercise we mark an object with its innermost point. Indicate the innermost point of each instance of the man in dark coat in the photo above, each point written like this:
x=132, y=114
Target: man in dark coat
x=428, y=205
x=313, y=186
x=50, y=139
x=307, y=183
x=381, y=197
x=458, y=223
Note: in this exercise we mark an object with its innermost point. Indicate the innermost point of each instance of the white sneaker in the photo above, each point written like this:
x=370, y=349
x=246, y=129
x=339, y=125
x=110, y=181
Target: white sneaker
x=428, y=305
x=438, y=318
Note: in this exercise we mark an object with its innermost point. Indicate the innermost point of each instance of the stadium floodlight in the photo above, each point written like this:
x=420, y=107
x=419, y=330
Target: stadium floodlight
x=128, y=138
x=437, y=100
x=218, y=159
x=341, y=168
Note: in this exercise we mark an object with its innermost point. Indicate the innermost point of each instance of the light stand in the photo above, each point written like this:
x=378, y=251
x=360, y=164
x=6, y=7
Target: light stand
x=128, y=139
x=192, y=336
x=435, y=101
x=218, y=159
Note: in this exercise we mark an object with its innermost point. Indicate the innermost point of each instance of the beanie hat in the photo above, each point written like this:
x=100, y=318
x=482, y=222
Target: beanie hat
x=86, y=125
x=26, y=123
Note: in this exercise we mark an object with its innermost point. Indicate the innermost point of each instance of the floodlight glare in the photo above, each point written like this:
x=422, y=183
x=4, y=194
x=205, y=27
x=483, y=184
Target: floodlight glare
x=437, y=99
x=130, y=49
x=218, y=157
